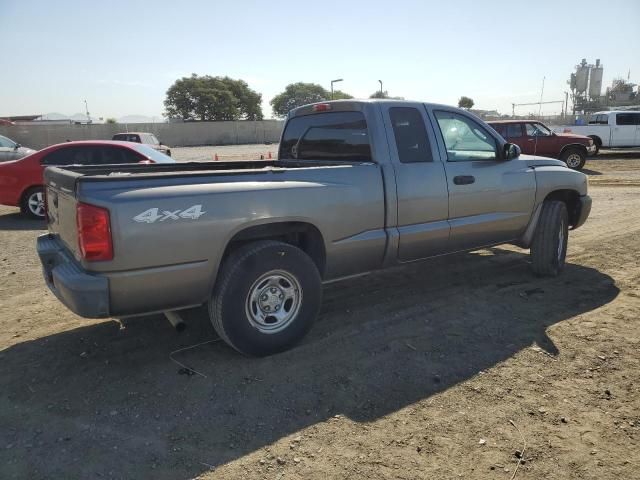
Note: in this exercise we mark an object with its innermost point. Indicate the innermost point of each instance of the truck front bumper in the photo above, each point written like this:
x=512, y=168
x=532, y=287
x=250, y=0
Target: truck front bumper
x=583, y=210
x=84, y=294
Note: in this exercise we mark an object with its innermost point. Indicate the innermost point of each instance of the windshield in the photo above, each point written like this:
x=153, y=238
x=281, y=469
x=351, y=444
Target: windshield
x=6, y=143
x=151, y=153
x=537, y=130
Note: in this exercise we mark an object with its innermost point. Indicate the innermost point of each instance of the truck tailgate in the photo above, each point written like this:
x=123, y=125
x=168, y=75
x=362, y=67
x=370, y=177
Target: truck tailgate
x=61, y=208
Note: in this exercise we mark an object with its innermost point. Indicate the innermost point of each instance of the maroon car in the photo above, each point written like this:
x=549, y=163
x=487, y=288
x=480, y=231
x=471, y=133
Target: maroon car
x=535, y=138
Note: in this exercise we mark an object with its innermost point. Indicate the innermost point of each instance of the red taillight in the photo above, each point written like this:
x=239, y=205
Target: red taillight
x=94, y=232
x=321, y=107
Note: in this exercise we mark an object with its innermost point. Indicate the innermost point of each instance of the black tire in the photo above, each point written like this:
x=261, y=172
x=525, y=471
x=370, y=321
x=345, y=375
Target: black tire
x=168, y=153
x=574, y=158
x=547, y=252
x=27, y=206
x=233, y=313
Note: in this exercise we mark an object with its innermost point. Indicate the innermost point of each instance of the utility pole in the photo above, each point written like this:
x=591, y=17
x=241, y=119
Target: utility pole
x=332, y=82
x=86, y=109
x=381, y=91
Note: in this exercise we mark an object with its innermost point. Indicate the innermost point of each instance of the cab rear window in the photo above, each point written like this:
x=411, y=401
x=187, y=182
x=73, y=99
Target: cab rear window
x=326, y=136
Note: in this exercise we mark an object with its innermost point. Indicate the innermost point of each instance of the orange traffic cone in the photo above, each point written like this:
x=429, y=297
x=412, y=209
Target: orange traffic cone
x=215, y=157
x=269, y=157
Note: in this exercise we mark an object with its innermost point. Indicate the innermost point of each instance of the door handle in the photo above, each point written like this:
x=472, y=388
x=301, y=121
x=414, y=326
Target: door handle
x=464, y=179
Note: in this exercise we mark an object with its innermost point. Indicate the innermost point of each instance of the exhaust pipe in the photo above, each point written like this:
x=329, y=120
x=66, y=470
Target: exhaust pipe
x=176, y=320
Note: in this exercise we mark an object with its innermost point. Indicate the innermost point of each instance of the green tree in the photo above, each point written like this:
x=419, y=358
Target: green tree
x=298, y=94
x=340, y=95
x=212, y=98
x=379, y=94
x=110, y=121
x=465, y=102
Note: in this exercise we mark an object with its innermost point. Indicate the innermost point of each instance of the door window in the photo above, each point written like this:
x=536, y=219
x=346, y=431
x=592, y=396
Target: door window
x=411, y=135
x=111, y=155
x=628, y=118
x=514, y=130
x=537, y=130
x=326, y=136
x=501, y=128
x=465, y=139
x=6, y=143
x=77, y=155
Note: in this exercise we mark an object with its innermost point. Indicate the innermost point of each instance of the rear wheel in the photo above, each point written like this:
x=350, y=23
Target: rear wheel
x=574, y=158
x=266, y=298
x=549, y=247
x=597, y=142
x=32, y=204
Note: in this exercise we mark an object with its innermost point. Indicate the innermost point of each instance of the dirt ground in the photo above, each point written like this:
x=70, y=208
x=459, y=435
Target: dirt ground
x=444, y=369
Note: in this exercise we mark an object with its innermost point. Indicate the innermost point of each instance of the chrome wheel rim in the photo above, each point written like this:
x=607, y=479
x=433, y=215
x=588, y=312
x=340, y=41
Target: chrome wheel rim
x=573, y=160
x=273, y=301
x=560, y=241
x=35, y=203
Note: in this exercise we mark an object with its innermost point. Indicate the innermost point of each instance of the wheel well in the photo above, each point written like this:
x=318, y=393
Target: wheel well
x=574, y=146
x=303, y=235
x=571, y=198
x=596, y=139
x=23, y=195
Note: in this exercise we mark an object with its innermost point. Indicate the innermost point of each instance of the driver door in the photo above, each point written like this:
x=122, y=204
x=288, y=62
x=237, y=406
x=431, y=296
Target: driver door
x=540, y=141
x=490, y=199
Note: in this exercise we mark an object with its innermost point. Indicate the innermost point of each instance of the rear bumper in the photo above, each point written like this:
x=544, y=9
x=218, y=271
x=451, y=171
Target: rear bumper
x=584, y=208
x=84, y=294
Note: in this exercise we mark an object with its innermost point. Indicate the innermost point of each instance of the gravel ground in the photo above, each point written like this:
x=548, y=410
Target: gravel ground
x=443, y=369
x=225, y=152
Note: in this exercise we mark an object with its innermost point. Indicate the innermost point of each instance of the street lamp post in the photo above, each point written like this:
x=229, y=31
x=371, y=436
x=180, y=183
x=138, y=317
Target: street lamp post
x=332, y=82
x=380, y=87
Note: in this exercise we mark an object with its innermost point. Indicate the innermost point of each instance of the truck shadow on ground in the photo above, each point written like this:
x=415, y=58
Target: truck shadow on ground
x=106, y=399
x=17, y=221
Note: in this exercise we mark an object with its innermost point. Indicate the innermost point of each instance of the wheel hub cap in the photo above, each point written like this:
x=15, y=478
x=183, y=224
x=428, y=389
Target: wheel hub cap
x=273, y=301
x=573, y=160
x=36, y=204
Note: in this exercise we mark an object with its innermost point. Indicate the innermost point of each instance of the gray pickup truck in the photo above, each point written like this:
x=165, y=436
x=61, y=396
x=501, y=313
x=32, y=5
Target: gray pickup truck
x=358, y=186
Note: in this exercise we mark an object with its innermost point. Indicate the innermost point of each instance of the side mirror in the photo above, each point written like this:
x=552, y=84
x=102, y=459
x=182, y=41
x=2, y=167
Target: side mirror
x=16, y=146
x=511, y=151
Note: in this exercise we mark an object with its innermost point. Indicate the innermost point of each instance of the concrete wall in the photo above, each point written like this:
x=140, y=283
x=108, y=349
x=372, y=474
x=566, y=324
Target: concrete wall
x=173, y=134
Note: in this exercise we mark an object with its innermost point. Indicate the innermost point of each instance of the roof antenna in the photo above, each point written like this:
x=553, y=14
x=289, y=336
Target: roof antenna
x=535, y=146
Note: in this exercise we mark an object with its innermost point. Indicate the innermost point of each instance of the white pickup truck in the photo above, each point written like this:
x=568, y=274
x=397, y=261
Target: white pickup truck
x=614, y=129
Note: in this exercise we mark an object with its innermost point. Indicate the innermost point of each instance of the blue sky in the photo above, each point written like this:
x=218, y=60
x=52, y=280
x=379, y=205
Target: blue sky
x=123, y=55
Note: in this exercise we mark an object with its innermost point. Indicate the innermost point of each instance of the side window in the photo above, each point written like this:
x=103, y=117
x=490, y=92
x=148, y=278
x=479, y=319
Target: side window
x=69, y=156
x=326, y=136
x=628, y=118
x=514, y=130
x=411, y=135
x=465, y=139
x=625, y=119
x=501, y=128
x=115, y=155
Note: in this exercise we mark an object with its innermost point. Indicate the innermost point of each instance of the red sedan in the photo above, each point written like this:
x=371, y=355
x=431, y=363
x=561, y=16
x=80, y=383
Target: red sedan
x=21, y=180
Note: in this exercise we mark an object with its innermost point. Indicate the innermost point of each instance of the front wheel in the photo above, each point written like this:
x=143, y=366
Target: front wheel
x=574, y=158
x=549, y=247
x=32, y=204
x=266, y=298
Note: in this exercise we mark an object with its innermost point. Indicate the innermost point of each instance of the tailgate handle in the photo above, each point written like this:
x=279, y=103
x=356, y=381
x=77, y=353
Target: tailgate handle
x=464, y=179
